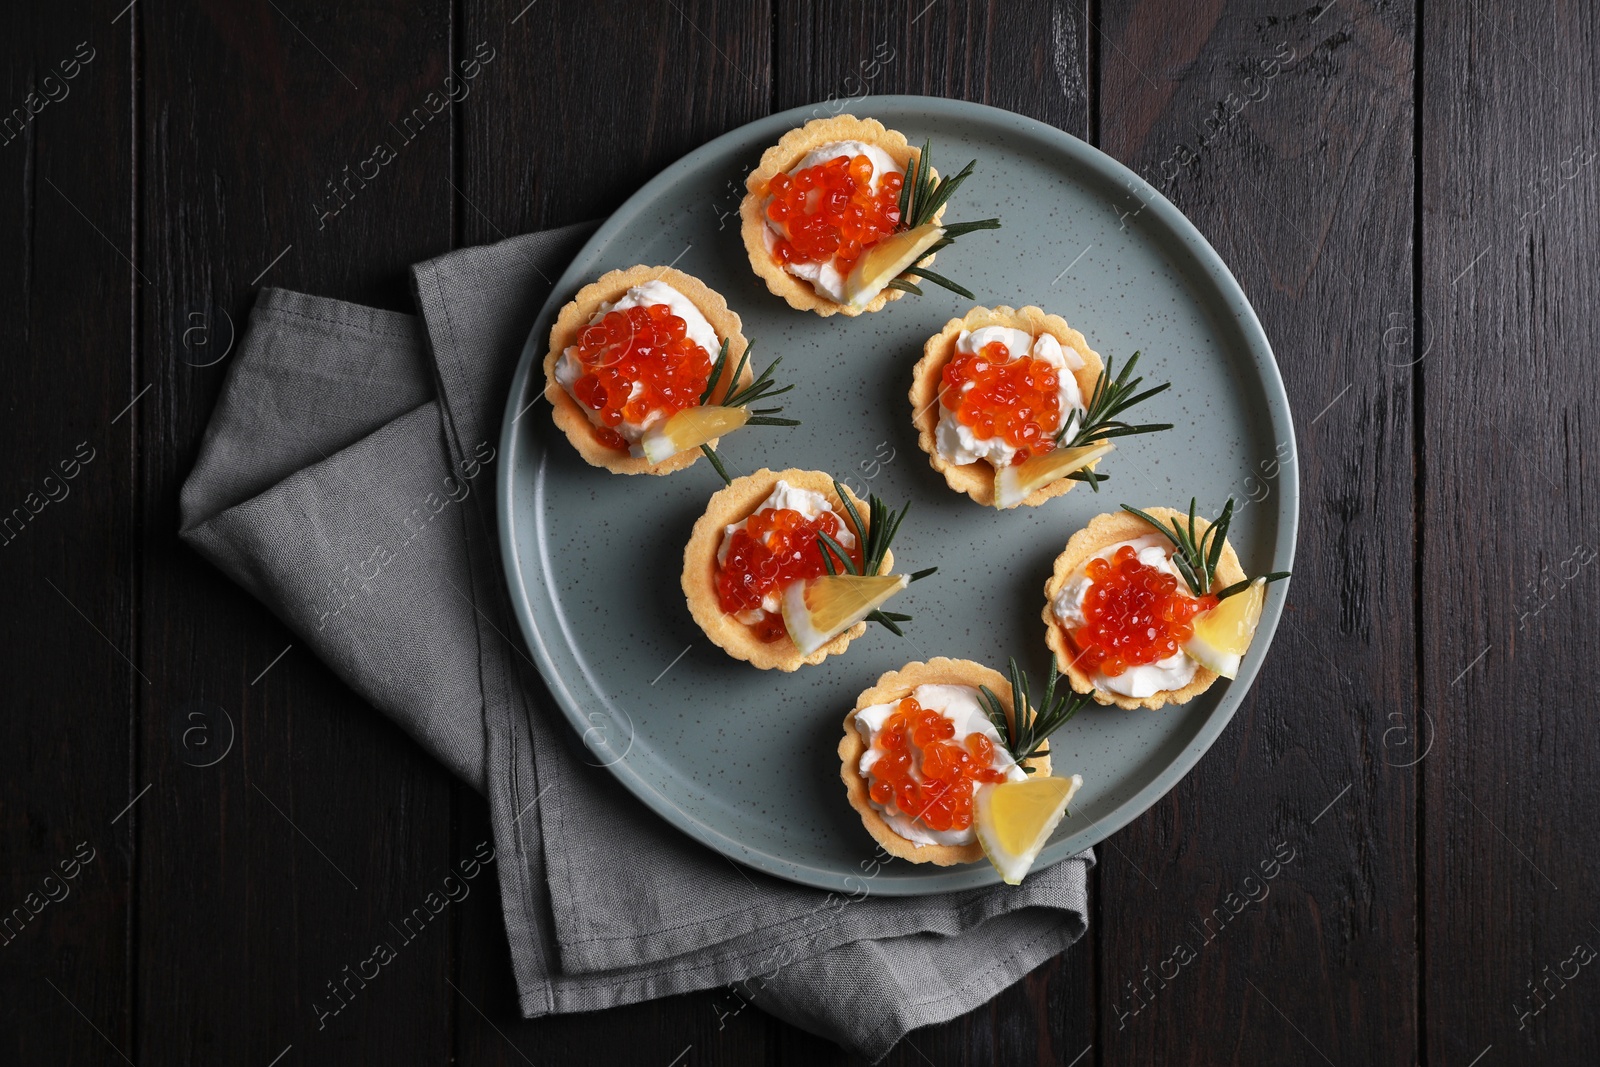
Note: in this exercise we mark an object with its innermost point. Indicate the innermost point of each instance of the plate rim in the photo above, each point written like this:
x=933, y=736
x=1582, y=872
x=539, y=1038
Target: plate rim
x=914, y=880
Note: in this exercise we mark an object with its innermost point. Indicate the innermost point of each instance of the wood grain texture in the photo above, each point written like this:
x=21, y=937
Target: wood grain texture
x=1032, y=59
x=67, y=519
x=266, y=875
x=1511, y=186
x=593, y=100
x=1287, y=140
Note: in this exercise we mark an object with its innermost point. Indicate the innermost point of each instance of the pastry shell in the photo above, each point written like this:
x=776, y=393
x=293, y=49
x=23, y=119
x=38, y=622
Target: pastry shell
x=726, y=507
x=892, y=686
x=976, y=479
x=1102, y=532
x=778, y=159
x=569, y=414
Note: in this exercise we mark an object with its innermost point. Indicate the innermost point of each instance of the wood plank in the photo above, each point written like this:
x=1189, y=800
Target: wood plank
x=604, y=95
x=597, y=99
x=1287, y=139
x=269, y=872
x=67, y=521
x=1034, y=60
x=1510, y=188
x=1031, y=60
x=64, y=755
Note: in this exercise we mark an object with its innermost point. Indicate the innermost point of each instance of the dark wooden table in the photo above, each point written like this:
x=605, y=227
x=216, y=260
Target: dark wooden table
x=1405, y=193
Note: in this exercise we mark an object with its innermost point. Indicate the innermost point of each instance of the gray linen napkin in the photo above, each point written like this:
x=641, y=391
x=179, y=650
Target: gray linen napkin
x=343, y=480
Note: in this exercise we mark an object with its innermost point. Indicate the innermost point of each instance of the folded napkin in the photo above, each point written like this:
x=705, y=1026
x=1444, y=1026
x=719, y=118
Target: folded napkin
x=344, y=481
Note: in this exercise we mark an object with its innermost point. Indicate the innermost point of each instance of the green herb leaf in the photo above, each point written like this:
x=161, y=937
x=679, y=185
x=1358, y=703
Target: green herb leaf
x=1198, y=555
x=888, y=623
x=961, y=229
x=921, y=198
x=761, y=388
x=874, y=537
x=1239, y=587
x=722, y=471
x=1110, y=398
x=1028, y=728
x=940, y=280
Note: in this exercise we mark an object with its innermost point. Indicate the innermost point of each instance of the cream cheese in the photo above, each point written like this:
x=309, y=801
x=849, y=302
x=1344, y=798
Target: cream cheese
x=956, y=442
x=959, y=704
x=698, y=330
x=825, y=277
x=808, y=503
x=1174, y=672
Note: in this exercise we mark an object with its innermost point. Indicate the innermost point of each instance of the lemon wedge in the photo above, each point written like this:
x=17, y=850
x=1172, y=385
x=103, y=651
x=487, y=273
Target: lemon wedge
x=817, y=611
x=1014, y=820
x=883, y=262
x=690, y=428
x=1013, y=484
x=1222, y=635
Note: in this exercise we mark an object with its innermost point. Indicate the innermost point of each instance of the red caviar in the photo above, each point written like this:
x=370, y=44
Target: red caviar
x=936, y=790
x=777, y=546
x=1135, y=614
x=1017, y=400
x=644, y=346
x=830, y=212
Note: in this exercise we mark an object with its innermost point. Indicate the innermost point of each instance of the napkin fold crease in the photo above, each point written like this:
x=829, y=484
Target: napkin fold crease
x=346, y=481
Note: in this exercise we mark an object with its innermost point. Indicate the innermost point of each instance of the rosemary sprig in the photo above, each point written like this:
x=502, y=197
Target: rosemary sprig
x=921, y=197
x=1028, y=729
x=1199, y=553
x=1100, y=422
x=1239, y=587
x=762, y=387
x=716, y=464
x=874, y=538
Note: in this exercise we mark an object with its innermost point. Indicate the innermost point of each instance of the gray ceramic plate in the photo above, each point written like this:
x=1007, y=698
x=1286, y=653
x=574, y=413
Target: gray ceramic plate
x=743, y=760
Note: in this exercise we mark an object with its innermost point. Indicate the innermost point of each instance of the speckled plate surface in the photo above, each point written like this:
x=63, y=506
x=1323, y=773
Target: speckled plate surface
x=742, y=759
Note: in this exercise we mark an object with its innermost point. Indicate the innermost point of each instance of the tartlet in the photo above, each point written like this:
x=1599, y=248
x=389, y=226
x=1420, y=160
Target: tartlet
x=791, y=148
x=1101, y=533
x=977, y=479
x=577, y=314
x=893, y=686
x=728, y=506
